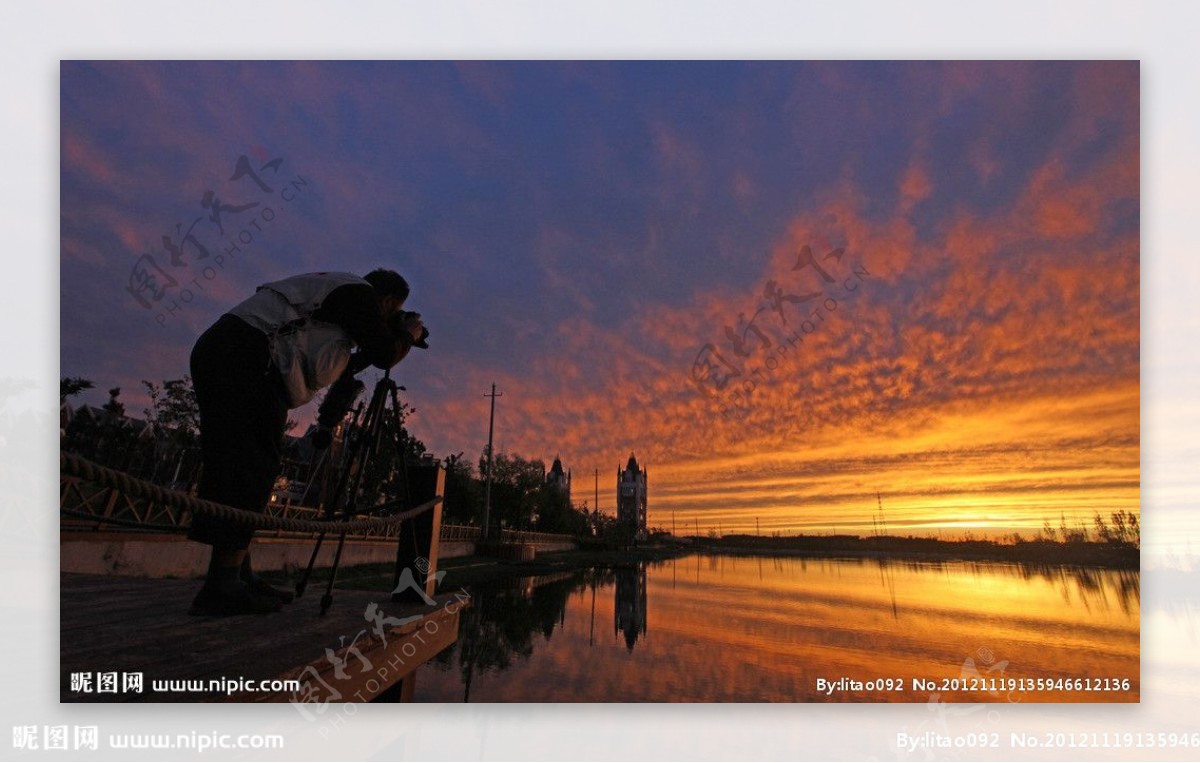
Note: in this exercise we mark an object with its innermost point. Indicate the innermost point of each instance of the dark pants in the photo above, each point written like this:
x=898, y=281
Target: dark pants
x=243, y=411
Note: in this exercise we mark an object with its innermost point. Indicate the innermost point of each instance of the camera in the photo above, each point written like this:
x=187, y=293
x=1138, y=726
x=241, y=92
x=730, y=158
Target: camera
x=345, y=391
x=396, y=325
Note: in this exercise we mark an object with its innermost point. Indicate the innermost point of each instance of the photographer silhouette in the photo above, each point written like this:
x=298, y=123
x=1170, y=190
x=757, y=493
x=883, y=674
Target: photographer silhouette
x=273, y=352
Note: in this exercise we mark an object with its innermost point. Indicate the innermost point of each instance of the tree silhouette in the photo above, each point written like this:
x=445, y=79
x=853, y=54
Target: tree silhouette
x=114, y=407
x=69, y=386
x=173, y=411
x=464, y=495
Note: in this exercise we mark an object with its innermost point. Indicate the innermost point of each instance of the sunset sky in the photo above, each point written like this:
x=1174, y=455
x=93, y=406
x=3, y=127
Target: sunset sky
x=589, y=236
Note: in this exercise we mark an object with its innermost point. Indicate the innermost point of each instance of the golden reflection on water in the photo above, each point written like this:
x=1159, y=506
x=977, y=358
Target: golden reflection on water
x=725, y=628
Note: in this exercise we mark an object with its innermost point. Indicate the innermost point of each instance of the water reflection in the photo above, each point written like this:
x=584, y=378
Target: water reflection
x=501, y=622
x=726, y=628
x=630, y=610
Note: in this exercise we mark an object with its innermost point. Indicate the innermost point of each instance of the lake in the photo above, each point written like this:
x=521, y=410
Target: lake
x=722, y=628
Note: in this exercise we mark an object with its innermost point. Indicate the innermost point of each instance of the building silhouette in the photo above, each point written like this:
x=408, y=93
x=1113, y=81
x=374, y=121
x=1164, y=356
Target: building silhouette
x=629, y=610
x=631, y=497
x=559, y=478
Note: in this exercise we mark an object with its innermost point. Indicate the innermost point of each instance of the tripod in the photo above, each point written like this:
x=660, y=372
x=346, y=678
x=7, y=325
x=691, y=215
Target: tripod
x=364, y=442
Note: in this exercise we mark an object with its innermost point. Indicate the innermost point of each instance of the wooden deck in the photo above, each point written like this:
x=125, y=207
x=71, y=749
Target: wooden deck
x=114, y=629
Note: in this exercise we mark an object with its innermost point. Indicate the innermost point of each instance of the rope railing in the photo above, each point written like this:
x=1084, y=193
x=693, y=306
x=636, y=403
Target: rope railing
x=84, y=469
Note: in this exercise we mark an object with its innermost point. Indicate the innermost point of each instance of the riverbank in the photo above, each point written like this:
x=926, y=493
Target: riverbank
x=1120, y=556
x=472, y=570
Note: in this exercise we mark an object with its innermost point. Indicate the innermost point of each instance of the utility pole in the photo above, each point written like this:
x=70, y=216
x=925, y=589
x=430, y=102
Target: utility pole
x=672, y=523
x=757, y=527
x=879, y=501
x=487, y=494
x=596, y=515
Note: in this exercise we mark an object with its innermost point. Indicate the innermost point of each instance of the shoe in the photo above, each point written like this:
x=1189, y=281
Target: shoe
x=232, y=598
x=262, y=588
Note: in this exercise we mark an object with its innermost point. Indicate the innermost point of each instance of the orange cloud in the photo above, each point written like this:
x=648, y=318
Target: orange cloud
x=984, y=377
x=915, y=187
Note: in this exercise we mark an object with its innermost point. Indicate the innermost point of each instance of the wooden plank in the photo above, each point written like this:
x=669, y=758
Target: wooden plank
x=138, y=625
x=354, y=678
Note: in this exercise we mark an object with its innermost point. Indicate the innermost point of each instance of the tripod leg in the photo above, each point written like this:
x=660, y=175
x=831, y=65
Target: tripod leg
x=365, y=445
x=327, y=599
x=312, y=560
x=358, y=454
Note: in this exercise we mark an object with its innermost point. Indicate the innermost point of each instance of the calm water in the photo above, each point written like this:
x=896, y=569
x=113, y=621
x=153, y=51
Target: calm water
x=722, y=628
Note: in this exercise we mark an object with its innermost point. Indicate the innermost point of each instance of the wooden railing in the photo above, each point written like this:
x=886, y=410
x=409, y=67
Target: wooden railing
x=521, y=536
x=460, y=533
